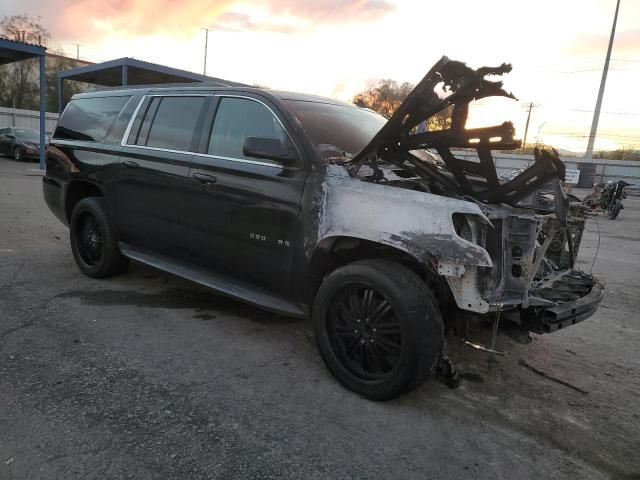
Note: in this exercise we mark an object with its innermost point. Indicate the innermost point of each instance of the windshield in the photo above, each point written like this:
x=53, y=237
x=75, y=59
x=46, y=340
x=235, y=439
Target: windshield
x=345, y=127
x=26, y=134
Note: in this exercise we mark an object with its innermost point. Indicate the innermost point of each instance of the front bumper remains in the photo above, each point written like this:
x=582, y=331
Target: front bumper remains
x=30, y=154
x=565, y=314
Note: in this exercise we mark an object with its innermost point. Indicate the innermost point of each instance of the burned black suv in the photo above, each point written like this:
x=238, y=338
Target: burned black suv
x=310, y=207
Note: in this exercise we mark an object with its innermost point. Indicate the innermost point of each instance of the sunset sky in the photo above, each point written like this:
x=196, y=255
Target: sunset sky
x=336, y=47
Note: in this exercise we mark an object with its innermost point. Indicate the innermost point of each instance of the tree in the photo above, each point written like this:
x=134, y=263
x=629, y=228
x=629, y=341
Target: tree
x=386, y=96
x=55, y=64
x=18, y=80
x=619, y=154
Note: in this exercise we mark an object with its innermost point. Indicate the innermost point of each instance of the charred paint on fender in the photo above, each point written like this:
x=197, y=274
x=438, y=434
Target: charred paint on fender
x=417, y=223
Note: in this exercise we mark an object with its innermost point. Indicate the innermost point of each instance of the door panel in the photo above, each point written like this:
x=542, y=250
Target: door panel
x=150, y=199
x=245, y=223
x=243, y=211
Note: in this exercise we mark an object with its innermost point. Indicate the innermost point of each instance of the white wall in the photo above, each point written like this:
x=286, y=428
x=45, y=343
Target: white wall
x=10, y=117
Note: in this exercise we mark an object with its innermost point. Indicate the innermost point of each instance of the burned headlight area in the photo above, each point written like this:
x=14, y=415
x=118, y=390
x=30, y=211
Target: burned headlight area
x=512, y=247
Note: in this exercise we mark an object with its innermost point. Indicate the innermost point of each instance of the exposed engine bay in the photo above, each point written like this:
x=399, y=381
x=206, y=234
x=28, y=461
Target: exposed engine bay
x=528, y=225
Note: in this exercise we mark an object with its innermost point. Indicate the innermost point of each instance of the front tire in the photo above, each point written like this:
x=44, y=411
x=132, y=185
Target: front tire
x=378, y=328
x=17, y=154
x=614, y=210
x=93, y=241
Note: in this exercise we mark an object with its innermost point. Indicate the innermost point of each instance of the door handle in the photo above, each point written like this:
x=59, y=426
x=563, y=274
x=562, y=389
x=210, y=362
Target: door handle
x=204, y=178
x=130, y=164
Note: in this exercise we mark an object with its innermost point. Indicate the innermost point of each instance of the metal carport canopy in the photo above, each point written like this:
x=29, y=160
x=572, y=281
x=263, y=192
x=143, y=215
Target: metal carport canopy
x=12, y=51
x=129, y=71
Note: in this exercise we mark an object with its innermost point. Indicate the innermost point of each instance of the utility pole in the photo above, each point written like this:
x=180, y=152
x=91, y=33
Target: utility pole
x=596, y=114
x=526, y=128
x=206, y=42
x=77, y=50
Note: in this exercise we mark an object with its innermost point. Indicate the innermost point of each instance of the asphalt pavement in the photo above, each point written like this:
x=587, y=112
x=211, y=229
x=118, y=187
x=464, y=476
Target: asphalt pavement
x=148, y=376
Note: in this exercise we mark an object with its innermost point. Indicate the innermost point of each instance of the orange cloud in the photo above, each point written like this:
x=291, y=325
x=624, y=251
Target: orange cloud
x=99, y=18
x=91, y=18
x=240, y=22
x=625, y=42
x=337, y=11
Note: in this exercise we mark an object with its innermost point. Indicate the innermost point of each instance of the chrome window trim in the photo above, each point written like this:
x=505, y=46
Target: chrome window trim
x=127, y=132
x=240, y=160
x=125, y=137
x=131, y=120
x=158, y=149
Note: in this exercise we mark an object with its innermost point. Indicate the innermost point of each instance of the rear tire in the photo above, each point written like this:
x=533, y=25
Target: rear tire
x=93, y=241
x=378, y=328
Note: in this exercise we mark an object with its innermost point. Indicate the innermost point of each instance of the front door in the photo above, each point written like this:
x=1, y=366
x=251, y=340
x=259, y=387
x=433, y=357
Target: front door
x=244, y=211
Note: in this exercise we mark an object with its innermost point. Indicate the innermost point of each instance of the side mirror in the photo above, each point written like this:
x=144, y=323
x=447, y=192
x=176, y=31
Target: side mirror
x=269, y=148
x=10, y=135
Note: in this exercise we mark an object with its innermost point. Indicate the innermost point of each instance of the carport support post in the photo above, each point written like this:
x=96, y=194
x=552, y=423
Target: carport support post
x=60, y=94
x=125, y=75
x=43, y=109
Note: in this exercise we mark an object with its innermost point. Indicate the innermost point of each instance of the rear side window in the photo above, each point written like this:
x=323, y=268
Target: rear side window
x=169, y=123
x=89, y=118
x=237, y=119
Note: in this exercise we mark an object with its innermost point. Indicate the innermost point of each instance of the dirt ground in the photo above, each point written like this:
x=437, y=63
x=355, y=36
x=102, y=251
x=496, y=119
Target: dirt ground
x=148, y=376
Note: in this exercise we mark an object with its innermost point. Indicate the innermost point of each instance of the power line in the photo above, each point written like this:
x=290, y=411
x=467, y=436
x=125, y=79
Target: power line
x=595, y=70
x=570, y=62
x=583, y=135
x=609, y=113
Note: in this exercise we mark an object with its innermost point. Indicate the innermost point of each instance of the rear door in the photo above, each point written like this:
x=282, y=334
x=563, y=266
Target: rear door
x=151, y=184
x=244, y=211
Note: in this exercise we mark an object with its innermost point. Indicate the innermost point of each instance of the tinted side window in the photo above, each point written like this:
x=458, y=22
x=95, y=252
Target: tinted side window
x=89, y=118
x=170, y=122
x=237, y=119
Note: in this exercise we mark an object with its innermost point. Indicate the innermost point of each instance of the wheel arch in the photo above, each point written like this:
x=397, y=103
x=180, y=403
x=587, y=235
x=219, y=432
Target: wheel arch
x=336, y=251
x=76, y=191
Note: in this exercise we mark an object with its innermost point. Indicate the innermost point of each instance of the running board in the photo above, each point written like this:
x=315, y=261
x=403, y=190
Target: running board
x=225, y=285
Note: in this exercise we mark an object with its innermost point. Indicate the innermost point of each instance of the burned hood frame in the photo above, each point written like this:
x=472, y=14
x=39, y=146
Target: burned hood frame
x=394, y=143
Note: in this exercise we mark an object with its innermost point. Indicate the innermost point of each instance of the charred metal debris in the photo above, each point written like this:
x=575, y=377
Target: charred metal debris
x=397, y=143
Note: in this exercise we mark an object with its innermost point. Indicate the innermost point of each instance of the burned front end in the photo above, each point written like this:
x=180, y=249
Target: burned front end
x=527, y=226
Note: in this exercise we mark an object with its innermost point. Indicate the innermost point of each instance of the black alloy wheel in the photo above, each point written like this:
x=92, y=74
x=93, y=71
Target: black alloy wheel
x=93, y=241
x=89, y=238
x=378, y=328
x=364, y=333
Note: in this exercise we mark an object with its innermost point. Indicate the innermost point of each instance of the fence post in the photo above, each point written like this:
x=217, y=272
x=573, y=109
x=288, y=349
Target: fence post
x=43, y=111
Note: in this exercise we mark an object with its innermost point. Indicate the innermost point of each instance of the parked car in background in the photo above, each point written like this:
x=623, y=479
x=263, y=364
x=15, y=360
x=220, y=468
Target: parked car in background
x=20, y=143
x=307, y=206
